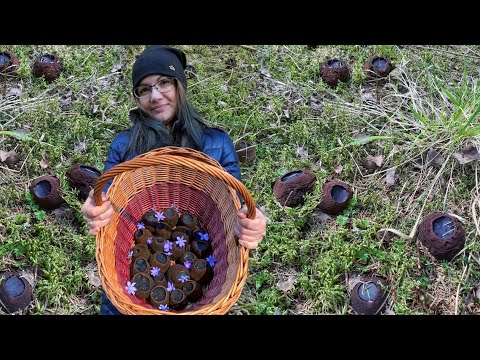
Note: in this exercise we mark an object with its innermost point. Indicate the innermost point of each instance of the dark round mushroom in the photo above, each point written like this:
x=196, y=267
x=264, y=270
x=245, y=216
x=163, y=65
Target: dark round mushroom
x=291, y=187
x=15, y=292
x=190, y=72
x=246, y=152
x=368, y=296
x=377, y=66
x=333, y=71
x=82, y=178
x=143, y=284
x=336, y=196
x=45, y=191
x=48, y=66
x=8, y=62
x=442, y=234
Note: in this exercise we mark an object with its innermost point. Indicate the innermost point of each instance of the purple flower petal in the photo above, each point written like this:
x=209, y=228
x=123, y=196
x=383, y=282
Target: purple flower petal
x=170, y=287
x=187, y=264
x=181, y=241
x=130, y=288
x=130, y=254
x=140, y=225
x=203, y=236
x=149, y=240
x=159, y=216
x=154, y=271
x=183, y=278
x=163, y=307
x=211, y=260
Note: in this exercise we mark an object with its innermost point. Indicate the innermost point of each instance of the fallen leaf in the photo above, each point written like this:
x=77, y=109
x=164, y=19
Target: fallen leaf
x=29, y=276
x=14, y=92
x=265, y=72
x=224, y=87
x=390, y=177
x=80, y=146
x=116, y=68
x=367, y=97
x=468, y=155
x=338, y=169
x=222, y=103
x=286, y=112
x=4, y=155
x=389, y=312
x=93, y=278
x=66, y=99
x=378, y=160
x=3, y=230
x=434, y=158
x=43, y=164
x=95, y=108
x=286, y=285
x=352, y=281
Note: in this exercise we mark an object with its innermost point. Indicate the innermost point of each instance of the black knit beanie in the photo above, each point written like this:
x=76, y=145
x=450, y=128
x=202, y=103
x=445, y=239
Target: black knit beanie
x=159, y=59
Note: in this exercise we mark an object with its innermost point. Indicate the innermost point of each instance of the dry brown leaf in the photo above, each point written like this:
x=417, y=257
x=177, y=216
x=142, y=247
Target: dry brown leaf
x=434, y=158
x=93, y=278
x=286, y=285
x=338, y=169
x=4, y=155
x=43, y=164
x=390, y=177
x=378, y=160
x=468, y=155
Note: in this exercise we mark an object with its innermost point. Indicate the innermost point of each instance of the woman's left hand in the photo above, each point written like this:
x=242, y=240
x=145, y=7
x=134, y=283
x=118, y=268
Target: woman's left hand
x=250, y=231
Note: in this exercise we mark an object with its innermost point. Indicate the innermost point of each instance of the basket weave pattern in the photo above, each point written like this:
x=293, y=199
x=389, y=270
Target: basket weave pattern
x=193, y=182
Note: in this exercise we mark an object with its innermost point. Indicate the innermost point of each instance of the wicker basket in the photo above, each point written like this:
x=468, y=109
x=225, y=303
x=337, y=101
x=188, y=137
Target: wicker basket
x=193, y=182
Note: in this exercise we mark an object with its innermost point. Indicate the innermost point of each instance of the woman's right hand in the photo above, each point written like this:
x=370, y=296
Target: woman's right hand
x=97, y=216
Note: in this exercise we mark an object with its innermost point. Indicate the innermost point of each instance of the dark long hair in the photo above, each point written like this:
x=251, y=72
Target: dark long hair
x=148, y=133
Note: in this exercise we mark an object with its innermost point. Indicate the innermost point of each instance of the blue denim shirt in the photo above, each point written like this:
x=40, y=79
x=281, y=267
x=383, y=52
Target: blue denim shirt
x=216, y=144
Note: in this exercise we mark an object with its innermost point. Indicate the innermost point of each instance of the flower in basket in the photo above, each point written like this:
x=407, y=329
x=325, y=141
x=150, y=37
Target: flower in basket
x=187, y=264
x=163, y=307
x=167, y=246
x=154, y=271
x=131, y=289
x=149, y=240
x=183, y=278
x=173, y=206
x=159, y=216
x=181, y=241
x=130, y=254
x=170, y=287
x=211, y=260
x=140, y=225
x=203, y=236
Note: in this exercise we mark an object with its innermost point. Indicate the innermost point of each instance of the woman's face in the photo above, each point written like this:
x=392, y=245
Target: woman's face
x=157, y=96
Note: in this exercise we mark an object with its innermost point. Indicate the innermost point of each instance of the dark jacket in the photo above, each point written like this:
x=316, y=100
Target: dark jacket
x=216, y=144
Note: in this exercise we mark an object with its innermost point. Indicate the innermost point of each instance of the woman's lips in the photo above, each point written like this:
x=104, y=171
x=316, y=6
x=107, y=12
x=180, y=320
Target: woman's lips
x=159, y=108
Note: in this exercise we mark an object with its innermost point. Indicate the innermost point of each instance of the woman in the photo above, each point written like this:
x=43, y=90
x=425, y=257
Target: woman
x=165, y=117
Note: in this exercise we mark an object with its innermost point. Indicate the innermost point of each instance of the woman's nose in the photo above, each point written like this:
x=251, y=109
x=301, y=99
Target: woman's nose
x=156, y=94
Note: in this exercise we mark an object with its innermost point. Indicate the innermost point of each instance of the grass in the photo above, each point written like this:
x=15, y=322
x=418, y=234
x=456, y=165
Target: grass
x=274, y=99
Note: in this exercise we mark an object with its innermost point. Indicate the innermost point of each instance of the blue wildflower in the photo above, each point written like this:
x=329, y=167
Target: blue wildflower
x=130, y=254
x=154, y=271
x=149, y=240
x=159, y=216
x=163, y=307
x=140, y=225
x=167, y=246
x=183, y=278
x=130, y=288
x=170, y=287
x=211, y=260
x=187, y=264
x=203, y=236
x=181, y=241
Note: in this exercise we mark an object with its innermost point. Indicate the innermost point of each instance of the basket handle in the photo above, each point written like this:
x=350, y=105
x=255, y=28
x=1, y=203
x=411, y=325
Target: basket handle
x=167, y=159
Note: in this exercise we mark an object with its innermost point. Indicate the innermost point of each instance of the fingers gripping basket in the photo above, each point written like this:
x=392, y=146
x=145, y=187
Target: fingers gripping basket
x=193, y=182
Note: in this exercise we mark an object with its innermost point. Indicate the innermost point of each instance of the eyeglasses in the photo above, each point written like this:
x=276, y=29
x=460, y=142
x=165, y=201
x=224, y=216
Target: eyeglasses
x=163, y=85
